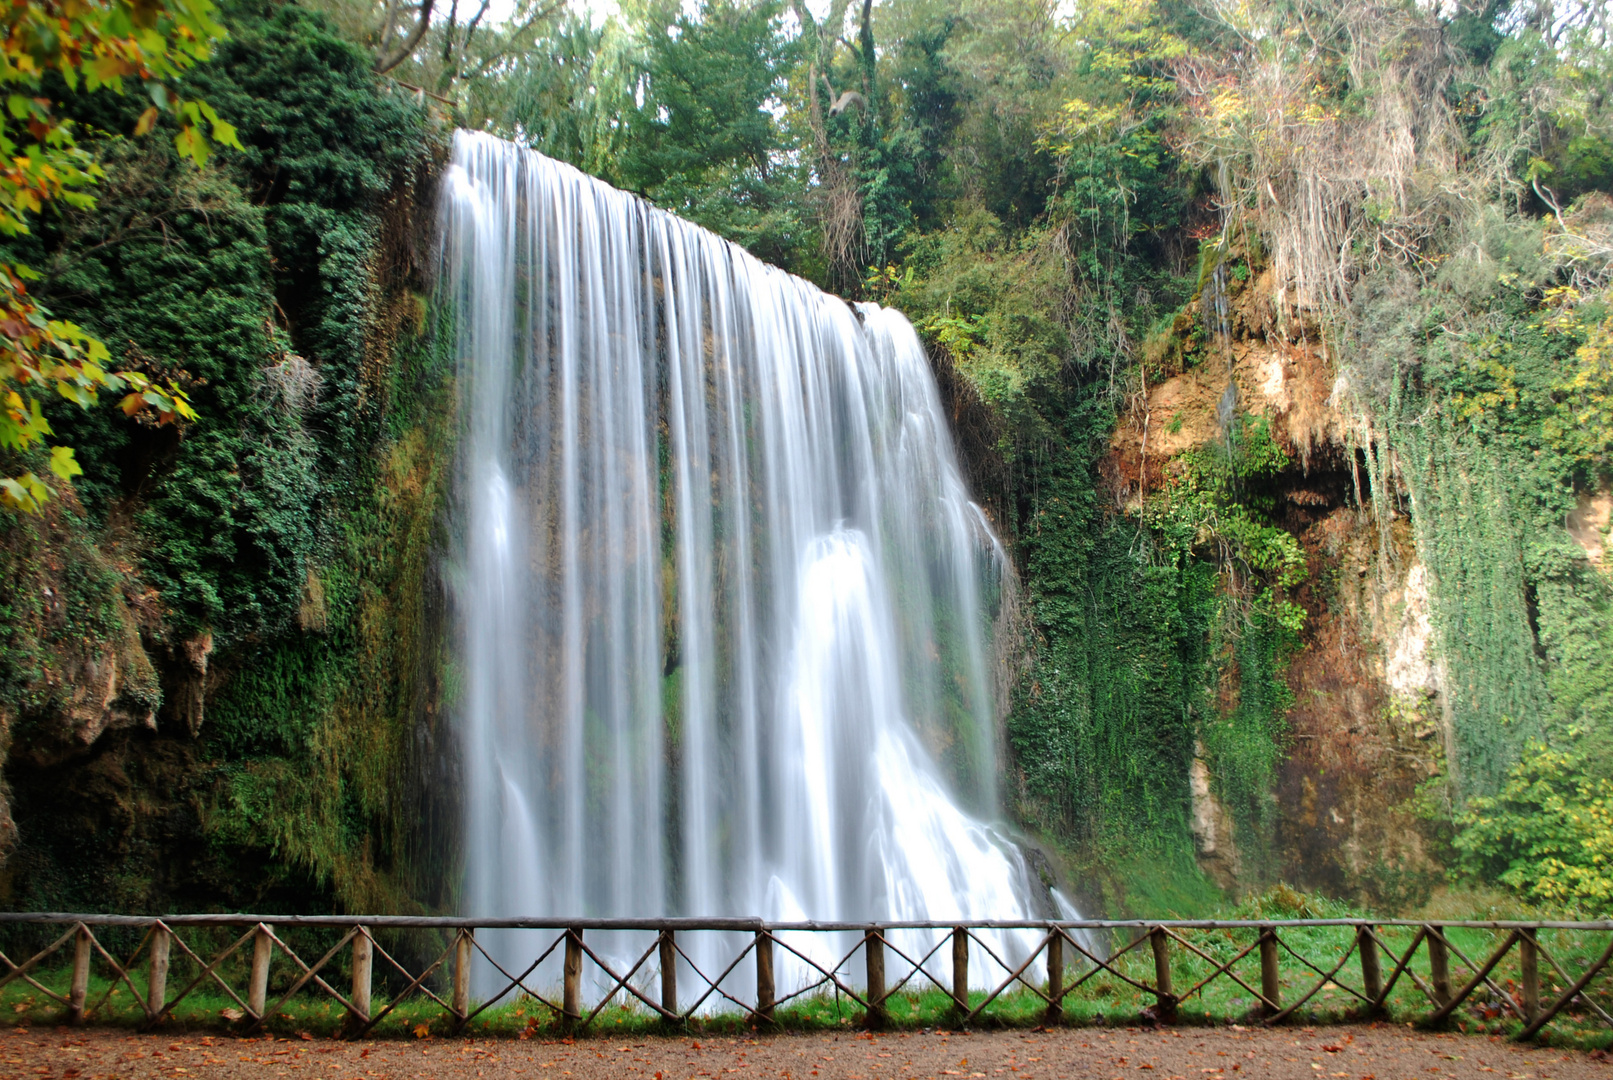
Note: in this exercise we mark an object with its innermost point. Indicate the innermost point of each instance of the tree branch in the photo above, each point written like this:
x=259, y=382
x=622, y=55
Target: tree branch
x=384, y=65
x=512, y=40
x=448, y=38
x=389, y=25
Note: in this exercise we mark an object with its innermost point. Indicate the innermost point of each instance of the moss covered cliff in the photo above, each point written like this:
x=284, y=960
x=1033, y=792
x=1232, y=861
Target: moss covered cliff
x=221, y=656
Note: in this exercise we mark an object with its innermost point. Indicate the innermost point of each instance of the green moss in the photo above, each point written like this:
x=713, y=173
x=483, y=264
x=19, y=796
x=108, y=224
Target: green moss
x=1104, y=725
x=294, y=522
x=223, y=278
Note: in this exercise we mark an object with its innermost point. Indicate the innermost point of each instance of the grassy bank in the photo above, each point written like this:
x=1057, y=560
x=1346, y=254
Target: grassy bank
x=1106, y=998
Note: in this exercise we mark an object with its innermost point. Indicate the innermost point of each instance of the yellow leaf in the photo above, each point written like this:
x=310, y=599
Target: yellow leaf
x=147, y=121
x=189, y=143
x=63, y=464
x=15, y=496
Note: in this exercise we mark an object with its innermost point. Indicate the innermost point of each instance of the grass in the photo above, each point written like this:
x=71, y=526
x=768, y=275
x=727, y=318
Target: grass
x=1102, y=999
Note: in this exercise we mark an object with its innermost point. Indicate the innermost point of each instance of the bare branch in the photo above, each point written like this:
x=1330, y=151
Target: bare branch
x=385, y=64
x=448, y=35
x=513, y=40
x=470, y=27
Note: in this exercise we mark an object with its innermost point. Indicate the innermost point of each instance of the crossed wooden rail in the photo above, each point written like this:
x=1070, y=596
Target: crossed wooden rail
x=1059, y=942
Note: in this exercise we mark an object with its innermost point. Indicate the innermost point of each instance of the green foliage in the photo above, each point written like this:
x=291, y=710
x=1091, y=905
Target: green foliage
x=1217, y=510
x=1495, y=428
x=922, y=101
x=1048, y=262
x=565, y=94
x=192, y=276
x=993, y=302
x=64, y=595
x=1548, y=833
x=1245, y=743
x=1033, y=280
x=703, y=141
x=1283, y=901
x=1583, y=422
x=1474, y=550
x=1136, y=626
x=1215, y=505
x=314, y=738
x=290, y=529
x=87, y=47
x=1105, y=723
x=1040, y=189
x=711, y=73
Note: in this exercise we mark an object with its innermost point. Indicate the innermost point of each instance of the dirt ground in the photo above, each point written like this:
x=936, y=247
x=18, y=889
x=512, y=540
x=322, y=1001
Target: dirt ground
x=1383, y=1052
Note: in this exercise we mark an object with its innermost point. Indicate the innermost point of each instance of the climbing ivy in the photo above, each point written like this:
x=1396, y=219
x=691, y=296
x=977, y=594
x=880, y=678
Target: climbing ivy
x=286, y=536
x=1476, y=420
x=1105, y=722
x=249, y=282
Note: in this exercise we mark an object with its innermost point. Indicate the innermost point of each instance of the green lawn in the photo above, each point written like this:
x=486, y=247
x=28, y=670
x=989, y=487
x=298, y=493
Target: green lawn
x=1104, y=998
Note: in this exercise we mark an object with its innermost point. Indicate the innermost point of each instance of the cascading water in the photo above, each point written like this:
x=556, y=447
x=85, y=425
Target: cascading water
x=723, y=595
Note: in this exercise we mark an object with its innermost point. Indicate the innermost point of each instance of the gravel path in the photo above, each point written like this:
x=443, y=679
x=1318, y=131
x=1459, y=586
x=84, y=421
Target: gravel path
x=1382, y=1052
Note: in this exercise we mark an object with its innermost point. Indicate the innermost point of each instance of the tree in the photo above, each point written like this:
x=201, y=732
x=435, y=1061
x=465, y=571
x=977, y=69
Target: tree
x=704, y=140
x=845, y=150
x=89, y=45
x=440, y=44
x=1548, y=834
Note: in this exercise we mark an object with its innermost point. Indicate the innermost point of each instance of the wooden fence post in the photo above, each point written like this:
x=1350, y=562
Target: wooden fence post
x=669, y=972
x=1055, y=978
x=571, y=1002
x=257, y=987
x=874, y=969
x=363, y=959
x=461, y=1000
x=960, y=969
x=1529, y=972
x=81, y=976
x=1439, y=965
x=1568, y=994
x=1371, y=971
x=765, y=990
x=157, y=980
x=1271, y=986
x=1165, y=1001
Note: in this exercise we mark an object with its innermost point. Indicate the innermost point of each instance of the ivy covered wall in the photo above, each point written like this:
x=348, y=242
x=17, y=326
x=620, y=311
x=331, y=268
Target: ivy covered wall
x=221, y=664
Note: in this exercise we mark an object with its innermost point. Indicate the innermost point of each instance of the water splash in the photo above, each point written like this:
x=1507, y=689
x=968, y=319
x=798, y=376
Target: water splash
x=725, y=604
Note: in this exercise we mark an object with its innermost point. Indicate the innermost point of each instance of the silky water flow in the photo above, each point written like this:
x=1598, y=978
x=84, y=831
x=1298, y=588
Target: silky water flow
x=725, y=606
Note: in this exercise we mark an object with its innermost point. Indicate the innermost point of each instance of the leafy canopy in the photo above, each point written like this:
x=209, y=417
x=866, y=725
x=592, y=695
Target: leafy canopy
x=1548, y=834
x=90, y=45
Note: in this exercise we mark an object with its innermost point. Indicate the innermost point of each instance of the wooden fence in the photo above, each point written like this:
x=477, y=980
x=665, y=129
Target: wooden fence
x=1188, y=956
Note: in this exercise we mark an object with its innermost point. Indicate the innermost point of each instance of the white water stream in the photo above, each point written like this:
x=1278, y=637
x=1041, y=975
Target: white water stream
x=725, y=605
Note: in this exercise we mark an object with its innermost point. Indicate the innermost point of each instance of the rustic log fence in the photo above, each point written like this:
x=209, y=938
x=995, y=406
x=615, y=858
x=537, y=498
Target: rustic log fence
x=1050, y=961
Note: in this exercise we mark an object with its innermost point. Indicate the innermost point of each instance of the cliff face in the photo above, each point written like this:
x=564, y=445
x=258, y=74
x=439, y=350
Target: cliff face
x=221, y=667
x=1363, y=726
x=74, y=644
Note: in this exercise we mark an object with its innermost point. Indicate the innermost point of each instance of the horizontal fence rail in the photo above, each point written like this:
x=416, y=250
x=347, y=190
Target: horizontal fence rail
x=568, y=972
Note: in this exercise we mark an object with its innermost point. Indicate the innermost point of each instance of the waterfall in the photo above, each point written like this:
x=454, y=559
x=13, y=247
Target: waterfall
x=725, y=606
